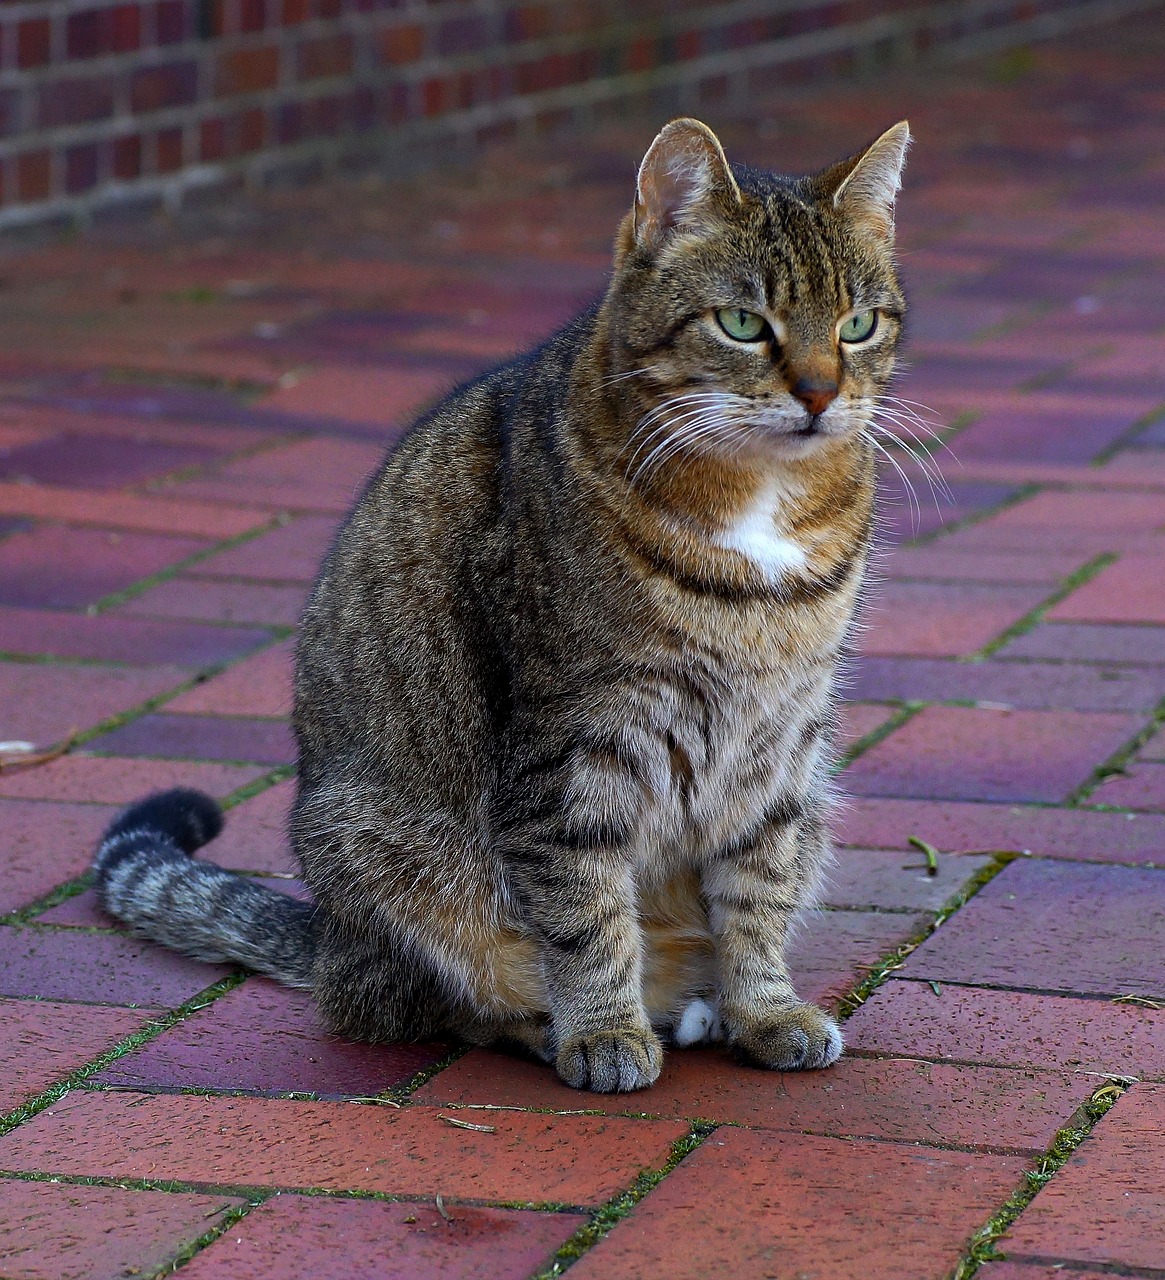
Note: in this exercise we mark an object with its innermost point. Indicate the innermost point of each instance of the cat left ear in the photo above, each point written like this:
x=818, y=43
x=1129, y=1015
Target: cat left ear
x=868, y=190
x=683, y=182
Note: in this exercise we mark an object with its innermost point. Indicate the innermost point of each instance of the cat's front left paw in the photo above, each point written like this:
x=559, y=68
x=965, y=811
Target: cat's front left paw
x=802, y=1038
x=616, y=1061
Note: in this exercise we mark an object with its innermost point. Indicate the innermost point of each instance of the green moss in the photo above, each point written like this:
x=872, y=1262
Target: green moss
x=982, y=1247
x=617, y=1208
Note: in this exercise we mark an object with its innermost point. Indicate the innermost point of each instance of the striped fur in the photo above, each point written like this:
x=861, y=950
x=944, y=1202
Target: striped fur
x=564, y=688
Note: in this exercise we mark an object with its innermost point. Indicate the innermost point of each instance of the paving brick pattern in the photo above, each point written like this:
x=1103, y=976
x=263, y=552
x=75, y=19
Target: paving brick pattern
x=158, y=533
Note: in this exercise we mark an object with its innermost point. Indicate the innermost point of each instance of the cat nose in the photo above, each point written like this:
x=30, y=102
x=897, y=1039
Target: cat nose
x=816, y=395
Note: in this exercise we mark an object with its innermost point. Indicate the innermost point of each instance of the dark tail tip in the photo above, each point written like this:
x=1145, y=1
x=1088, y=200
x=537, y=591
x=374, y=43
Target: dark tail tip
x=189, y=818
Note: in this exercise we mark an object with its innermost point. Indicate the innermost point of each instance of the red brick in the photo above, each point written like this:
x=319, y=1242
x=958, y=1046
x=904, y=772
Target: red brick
x=127, y=511
x=859, y=719
x=1107, y=1204
x=45, y=845
x=34, y=175
x=42, y=1042
x=1010, y=1029
x=82, y=168
x=127, y=157
x=255, y=835
x=935, y=620
x=291, y=553
x=1100, y=512
x=383, y=397
x=1050, y=833
x=339, y=1146
x=892, y=881
x=251, y=127
x=1075, y=928
x=311, y=1235
x=317, y=474
x=1047, y=1271
x=168, y=150
x=212, y=139
x=1142, y=788
x=62, y=1232
x=817, y=1204
x=403, y=44
x=198, y=598
x=247, y=71
x=893, y=1100
x=97, y=968
x=1128, y=591
x=84, y=778
x=324, y=56
x=33, y=42
x=833, y=950
x=259, y=686
x=136, y=642
x=43, y=703
x=266, y=1039
x=963, y=753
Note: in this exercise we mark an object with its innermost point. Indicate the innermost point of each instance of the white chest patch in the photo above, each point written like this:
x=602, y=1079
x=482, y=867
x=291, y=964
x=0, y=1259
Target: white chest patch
x=756, y=536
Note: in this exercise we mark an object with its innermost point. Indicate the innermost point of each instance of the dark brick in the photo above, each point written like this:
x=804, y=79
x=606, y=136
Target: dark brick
x=171, y=25
x=34, y=175
x=252, y=15
x=100, y=462
x=1090, y=642
x=127, y=157
x=96, y=32
x=65, y=102
x=82, y=168
x=201, y=738
x=98, y=968
x=263, y=1038
x=174, y=84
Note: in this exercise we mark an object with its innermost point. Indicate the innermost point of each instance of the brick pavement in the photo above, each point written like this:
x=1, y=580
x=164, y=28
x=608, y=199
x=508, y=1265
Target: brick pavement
x=187, y=409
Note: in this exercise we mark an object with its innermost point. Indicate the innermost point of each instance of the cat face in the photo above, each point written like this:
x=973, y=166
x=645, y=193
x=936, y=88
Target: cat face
x=757, y=314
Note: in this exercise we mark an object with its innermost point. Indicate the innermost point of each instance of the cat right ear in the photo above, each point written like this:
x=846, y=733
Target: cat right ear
x=684, y=181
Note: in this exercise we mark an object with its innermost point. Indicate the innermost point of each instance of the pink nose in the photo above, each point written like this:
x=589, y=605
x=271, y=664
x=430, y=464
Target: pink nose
x=815, y=396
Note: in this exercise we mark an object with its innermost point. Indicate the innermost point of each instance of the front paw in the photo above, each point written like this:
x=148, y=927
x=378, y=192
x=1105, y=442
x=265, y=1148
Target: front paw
x=611, y=1061
x=801, y=1038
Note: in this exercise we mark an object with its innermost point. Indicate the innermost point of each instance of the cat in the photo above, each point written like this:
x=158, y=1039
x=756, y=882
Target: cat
x=564, y=687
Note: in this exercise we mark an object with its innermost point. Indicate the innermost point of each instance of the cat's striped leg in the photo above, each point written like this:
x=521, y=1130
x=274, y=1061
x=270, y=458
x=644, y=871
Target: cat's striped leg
x=755, y=887
x=573, y=863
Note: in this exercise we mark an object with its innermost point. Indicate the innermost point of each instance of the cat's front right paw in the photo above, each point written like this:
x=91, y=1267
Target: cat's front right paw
x=611, y=1061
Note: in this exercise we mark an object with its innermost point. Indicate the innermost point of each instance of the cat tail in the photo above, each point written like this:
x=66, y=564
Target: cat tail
x=146, y=876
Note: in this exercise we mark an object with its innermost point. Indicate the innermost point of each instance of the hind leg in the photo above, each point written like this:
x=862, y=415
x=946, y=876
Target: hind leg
x=679, y=987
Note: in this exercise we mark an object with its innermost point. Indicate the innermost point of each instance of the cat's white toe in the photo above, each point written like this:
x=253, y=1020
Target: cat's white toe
x=699, y=1022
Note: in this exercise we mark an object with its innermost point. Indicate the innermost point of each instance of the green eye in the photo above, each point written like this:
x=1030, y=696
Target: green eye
x=744, y=326
x=858, y=328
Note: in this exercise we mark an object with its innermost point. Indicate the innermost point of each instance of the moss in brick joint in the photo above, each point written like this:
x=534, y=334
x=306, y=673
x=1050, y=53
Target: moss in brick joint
x=1116, y=763
x=982, y=1248
x=617, y=1208
x=1036, y=615
x=850, y=1003
x=153, y=1029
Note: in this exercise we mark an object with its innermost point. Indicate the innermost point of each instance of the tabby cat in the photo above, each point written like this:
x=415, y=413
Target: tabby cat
x=564, y=688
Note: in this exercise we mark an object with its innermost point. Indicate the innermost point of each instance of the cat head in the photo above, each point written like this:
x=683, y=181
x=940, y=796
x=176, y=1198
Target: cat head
x=754, y=313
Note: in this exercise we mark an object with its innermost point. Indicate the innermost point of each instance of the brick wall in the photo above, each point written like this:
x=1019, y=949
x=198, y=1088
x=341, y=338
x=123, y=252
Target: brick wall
x=105, y=105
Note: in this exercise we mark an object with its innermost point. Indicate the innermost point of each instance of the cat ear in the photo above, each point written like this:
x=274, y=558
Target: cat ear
x=683, y=180
x=867, y=191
